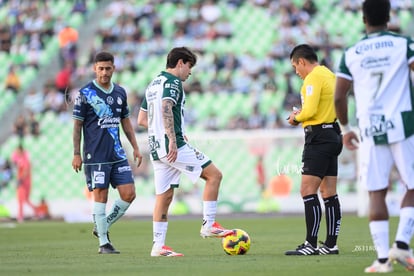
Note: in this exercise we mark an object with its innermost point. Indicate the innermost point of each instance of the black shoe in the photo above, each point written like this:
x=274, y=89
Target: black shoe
x=95, y=233
x=325, y=250
x=303, y=250
x=107, y=249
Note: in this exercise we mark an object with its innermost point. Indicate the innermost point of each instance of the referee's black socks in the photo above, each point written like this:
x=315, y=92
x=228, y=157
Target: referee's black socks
x=312, y=218
x=333, y=220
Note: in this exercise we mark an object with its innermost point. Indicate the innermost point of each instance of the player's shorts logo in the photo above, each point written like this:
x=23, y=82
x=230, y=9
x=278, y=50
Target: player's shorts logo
x=98, y=177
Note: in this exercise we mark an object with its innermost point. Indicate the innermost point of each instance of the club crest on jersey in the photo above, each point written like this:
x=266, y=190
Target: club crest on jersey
x=199, y=155
x=110, y=100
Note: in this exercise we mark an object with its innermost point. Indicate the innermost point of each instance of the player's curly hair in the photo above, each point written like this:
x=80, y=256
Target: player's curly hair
x=376, y=12
x=180, y=53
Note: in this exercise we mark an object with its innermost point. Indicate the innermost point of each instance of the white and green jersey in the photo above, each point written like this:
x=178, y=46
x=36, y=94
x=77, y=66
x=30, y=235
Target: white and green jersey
x=378, y=65
x=164, y=86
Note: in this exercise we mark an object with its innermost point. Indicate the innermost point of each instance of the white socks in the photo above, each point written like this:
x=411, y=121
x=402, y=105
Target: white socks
x=209, y=213
x=159, y=229
x=380, y=236
x=405, y=229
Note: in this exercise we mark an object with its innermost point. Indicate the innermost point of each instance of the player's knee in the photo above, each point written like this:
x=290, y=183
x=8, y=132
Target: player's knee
x=129, y=197
x=218, y=176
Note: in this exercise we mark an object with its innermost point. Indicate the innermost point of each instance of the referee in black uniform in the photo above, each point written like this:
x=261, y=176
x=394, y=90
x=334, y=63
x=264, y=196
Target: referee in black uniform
x=323, y=144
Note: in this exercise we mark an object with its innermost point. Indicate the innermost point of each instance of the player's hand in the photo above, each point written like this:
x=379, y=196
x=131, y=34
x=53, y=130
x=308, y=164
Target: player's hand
x=77, y=163
x=350, y=140
x=137, y=157
x=172, y=152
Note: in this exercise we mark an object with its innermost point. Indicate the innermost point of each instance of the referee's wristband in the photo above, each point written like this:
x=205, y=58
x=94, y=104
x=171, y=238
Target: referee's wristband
x=345, y=128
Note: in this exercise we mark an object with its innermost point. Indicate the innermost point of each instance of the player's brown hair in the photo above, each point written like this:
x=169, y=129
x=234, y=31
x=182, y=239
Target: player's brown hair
x=180, y=53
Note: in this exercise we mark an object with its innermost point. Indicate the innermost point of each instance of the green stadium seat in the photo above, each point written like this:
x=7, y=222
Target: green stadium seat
x=75, y=20
x=405, y=17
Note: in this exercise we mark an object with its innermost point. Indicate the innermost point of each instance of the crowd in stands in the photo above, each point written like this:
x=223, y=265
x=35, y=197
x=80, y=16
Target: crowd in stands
x=29, y=27
x=135, y=32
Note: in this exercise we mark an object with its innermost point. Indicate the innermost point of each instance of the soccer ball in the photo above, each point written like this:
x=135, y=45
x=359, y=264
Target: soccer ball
x=237, y=243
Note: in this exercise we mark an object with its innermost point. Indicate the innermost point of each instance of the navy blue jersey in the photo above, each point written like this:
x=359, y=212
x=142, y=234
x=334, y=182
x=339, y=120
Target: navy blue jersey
x=101, y=112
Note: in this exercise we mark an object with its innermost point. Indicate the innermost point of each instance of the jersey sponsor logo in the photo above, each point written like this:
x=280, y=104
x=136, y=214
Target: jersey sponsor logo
x=78, y=99
x=114, y=214
x=151, y=96
x=379, y=126
x=153, y=144
x=108, y=122
x=189, y=168
x=110, y=100
x=98, y=177
x=366, y=47
x=119, y=100
x=124, y=169
x=156, y=82
x=373, y=62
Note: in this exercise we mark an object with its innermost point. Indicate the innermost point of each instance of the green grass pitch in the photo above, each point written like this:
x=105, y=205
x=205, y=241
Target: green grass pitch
x=58, y=248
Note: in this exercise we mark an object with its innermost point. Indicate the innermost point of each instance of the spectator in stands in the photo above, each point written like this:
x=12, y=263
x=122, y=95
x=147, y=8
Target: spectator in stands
x=238, y=121
x=34, y=101
x=63, y=78
x=272, y=119
x=20, y=126
x=309, y=7
x=211, y=122
x=42, y=210
x=33, y=124
x=68, y=38
x=21, y=160
x=6, y=172
x=13, y=80
x=53, y=99
x=256, y=119
x=79, y=6
x=210, y=11
x=5, y=38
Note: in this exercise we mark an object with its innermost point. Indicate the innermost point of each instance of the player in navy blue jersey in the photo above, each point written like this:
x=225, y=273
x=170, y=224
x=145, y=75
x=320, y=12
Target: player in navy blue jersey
x=99, y=108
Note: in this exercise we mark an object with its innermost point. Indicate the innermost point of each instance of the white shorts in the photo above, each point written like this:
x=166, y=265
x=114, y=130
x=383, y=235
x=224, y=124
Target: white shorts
x=376, y=162
x=190, y=161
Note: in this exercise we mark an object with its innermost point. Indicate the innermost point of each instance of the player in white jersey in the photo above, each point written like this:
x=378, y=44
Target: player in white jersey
x=162, y=113
x=379, y=68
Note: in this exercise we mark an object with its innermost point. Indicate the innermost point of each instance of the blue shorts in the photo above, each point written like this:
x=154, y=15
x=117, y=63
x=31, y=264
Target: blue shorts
x=100, y=175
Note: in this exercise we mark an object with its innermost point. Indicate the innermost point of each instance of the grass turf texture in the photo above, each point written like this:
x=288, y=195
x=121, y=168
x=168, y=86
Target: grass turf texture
x=58, y=248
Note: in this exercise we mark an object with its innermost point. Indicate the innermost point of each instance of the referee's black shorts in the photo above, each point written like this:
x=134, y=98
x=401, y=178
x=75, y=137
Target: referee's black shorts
x=323, y=144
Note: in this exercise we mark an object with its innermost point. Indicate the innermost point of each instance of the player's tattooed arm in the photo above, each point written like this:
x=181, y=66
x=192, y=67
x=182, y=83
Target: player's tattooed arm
x=77, y=128
x=77, y=159
x=168, y=119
